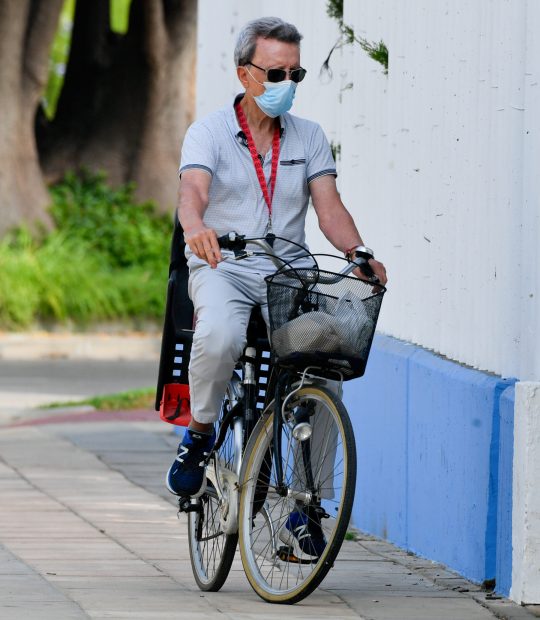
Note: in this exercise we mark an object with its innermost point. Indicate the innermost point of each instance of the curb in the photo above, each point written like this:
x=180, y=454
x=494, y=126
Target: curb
x=88, y=346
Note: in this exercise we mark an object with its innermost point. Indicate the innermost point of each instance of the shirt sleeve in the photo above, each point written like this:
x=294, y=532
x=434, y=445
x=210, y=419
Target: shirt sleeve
x=320, y=159
x=198, y=150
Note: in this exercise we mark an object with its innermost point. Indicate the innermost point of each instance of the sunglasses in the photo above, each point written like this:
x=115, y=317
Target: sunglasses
x=278, y=75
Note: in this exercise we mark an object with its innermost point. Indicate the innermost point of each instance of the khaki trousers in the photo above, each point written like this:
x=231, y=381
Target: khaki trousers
x=223, y=299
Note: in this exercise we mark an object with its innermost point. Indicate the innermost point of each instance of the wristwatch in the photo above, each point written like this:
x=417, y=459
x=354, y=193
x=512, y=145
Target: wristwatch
x=359, y=251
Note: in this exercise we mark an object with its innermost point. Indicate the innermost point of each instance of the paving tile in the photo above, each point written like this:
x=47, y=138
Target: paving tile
x=24, y=590
x=102, y=538
x=379, y=607
x=56, y=569
x=42, y=610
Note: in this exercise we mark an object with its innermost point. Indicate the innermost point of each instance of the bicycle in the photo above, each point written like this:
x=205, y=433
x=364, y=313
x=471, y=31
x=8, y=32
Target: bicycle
x=282, y=473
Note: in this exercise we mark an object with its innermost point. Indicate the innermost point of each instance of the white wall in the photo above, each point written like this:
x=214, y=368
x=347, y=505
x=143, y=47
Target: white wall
x=439, y=159
x=438, y=154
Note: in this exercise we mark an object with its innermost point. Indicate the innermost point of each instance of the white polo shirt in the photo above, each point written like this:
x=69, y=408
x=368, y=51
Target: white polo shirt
x=217, y=145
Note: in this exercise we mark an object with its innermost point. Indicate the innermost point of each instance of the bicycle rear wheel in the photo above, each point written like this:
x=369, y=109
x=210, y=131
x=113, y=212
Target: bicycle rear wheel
x=211, y=545
x=281, y=563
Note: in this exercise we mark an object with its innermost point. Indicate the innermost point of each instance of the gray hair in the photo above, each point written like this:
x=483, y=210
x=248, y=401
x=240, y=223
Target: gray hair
x=267, y=28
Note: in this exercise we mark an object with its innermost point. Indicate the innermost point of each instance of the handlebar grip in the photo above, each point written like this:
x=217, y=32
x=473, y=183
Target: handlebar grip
x=361, y=256
x=366, y=269
x=231, y=241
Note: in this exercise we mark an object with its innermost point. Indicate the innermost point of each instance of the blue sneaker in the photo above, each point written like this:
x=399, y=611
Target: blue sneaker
x=303, y=534
x=186, y=476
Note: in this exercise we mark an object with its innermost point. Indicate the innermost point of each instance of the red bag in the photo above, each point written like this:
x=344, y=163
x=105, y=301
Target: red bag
x=175, y=406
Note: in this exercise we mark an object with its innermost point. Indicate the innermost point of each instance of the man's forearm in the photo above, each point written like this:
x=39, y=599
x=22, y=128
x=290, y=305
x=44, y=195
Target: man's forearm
x=190, y=217
x=192, y=204
x=341, y=230
x=191, y=208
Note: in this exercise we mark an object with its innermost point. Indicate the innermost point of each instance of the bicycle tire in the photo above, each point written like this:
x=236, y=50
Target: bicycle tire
x=211, y=550
x=277, y=576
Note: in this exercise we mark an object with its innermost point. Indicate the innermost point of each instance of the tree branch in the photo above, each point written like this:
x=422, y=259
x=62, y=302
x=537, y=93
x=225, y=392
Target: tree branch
x=41, y=27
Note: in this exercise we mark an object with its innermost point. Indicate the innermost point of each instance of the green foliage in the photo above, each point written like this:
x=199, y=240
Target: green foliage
x=335, y=147
x=334, y=10
x=19, y=297
x=107, y=259
x=58, y=58
x=377, y=51
x=109, y=220
x=120, y=15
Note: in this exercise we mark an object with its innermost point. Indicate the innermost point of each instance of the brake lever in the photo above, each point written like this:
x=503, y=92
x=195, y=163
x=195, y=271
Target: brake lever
x=240, y=254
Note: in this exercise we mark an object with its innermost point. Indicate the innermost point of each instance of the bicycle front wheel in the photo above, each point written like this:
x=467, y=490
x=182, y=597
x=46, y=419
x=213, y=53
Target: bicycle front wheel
x=212, y=535
x=291, y=534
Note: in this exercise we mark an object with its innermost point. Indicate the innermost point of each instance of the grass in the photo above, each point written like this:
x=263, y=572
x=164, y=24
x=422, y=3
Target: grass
x=107, y=259
x=132, y=399
x=63, y=281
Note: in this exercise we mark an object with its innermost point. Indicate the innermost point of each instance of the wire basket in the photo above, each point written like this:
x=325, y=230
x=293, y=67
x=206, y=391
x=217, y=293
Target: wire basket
x=325, y=324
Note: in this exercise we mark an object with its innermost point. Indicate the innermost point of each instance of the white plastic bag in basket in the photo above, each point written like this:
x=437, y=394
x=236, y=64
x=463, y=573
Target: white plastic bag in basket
x=352, y=324
x=313, y=331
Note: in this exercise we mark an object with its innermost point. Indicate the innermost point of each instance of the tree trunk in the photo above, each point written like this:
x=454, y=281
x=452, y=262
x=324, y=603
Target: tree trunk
x=127, y=100
x=27, y=29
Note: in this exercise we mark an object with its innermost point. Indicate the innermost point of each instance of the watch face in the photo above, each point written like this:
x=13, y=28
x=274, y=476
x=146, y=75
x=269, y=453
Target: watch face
x=363, y=250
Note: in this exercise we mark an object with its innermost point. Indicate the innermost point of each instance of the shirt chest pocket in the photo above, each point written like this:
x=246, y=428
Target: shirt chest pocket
x=300, y=161
x=291, y=179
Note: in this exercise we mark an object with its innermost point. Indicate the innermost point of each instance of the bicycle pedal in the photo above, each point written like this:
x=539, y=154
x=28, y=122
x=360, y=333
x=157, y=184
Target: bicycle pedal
x=320, y=512
x=286, y=554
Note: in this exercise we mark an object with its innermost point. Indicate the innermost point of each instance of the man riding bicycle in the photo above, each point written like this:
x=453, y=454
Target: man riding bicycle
x=250, y=167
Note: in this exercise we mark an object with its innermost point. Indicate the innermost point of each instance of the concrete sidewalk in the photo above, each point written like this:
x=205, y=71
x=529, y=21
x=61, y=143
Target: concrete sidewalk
x=87, y=530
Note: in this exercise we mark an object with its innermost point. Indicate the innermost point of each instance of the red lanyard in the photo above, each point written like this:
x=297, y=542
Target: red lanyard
x=268, y=196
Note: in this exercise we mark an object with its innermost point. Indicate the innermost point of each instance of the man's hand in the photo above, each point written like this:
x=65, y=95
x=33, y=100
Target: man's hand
x=379, y=271
x=203, y=243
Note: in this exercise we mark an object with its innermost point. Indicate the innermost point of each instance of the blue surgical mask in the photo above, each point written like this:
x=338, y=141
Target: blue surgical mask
x=277, y=98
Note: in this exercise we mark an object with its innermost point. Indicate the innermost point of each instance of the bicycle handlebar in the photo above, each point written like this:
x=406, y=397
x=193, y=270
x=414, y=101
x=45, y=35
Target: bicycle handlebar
x=237, y=243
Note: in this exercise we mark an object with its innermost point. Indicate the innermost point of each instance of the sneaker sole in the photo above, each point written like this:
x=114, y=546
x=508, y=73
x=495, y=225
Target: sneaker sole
x=195, y=495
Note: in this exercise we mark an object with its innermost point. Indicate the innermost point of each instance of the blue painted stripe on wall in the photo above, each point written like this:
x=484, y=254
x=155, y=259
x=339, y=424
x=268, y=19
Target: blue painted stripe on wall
x=428, y=455
x=376, y=407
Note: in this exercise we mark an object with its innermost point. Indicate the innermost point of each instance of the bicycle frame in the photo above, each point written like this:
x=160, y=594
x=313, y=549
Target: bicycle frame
x=242, y=416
